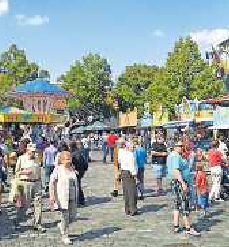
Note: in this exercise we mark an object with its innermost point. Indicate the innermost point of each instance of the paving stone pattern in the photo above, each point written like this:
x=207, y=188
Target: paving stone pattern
x=103, y=222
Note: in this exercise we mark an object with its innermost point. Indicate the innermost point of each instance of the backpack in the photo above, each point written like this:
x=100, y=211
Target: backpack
x=79, y=163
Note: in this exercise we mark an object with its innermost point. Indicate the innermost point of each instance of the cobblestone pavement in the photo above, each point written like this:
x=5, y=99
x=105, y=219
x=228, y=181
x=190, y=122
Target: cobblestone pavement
x=103, y=222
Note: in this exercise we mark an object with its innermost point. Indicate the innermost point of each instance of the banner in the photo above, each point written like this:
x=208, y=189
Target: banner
x=221, y=116
x=160, y=118
x=204, y=115
x=128, y=118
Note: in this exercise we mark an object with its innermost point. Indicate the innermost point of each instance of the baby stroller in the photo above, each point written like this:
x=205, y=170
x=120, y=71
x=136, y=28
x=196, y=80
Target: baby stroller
x=225, y=183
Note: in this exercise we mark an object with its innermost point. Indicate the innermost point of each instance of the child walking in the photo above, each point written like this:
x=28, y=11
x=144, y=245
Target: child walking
x=64, y=176
x=202, y=189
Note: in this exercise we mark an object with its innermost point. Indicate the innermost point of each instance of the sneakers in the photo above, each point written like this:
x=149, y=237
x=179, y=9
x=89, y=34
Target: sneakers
x=219, y=200
x=192, y=232
x=134, y=214
x=67, y=241
x=177, y=229
x=114, y=193
x=39, y=229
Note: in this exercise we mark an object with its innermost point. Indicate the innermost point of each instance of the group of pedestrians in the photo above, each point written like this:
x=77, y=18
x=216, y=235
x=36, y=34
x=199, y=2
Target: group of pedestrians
x=65, y=165
x=185, y=169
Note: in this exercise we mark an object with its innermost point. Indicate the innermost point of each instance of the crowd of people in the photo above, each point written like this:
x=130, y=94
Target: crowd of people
x=181, y=167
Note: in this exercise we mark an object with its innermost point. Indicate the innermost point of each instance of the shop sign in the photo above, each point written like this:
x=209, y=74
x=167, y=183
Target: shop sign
x=128, y=119
x=160, y=118
x=204, y=115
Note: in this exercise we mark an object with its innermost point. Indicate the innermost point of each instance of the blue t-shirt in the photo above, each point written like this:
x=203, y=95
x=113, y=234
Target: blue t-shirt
x=140, y=155
x=185, y=171
x=175, y=161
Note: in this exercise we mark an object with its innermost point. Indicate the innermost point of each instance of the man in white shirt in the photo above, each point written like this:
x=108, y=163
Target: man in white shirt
x=129, y=173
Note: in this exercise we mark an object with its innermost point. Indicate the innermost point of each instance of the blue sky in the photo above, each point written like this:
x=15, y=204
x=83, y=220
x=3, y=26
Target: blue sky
x=54, y=33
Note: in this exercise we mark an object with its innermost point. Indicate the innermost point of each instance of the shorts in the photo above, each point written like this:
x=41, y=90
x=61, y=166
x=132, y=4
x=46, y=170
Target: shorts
x=203, y=201
x=181, y=199
x=159, y=170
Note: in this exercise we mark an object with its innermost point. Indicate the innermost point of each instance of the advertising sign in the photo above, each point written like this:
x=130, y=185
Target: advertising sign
x=160, y=118
x=204, y=115
x=128, y=118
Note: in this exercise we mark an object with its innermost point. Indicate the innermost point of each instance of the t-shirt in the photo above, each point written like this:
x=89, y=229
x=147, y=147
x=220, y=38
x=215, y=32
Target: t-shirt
x=201, y=182
x=175, y=161
x=140, y=157
x=214, y=158
x=159, y=147
x=112, y=140
x=24, y=162
x=185, y=170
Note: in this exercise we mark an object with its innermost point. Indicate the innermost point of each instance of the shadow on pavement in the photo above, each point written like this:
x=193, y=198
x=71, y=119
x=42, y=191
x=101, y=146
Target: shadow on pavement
x=206, y=224
x=7, y=224
x=97, y=200
x=93, y=234
x=49, y=225
x=148, y=191
x=217, y=213
x=152, y=208
x=209, y=222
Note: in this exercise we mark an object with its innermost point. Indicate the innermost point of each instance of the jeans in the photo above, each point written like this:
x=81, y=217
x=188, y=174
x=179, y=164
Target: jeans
x=48, y=172
x=86, y=154
x=140, y=180
x=81, y=199
x=104, y=152
x=112, y=154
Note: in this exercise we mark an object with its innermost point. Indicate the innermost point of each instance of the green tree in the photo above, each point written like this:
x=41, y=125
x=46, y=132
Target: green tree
x=14, y=63
x=89, y=80
x=15, y=69
x=189, y=75
x=133, y=83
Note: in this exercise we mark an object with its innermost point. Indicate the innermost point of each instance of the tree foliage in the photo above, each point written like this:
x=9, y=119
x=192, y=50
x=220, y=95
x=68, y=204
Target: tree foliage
x=189, y=75
x=133, y=83
x=15, y=69
x=14, y=63
x=89, y=79
x=185, y=74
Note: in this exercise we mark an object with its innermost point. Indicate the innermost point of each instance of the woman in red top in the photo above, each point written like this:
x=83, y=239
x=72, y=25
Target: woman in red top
x=112, y=139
